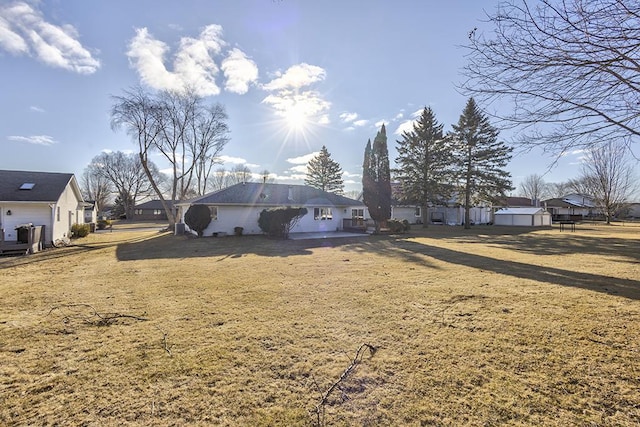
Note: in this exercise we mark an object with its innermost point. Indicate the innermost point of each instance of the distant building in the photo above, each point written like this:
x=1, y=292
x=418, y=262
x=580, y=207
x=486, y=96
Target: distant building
x=153, y=210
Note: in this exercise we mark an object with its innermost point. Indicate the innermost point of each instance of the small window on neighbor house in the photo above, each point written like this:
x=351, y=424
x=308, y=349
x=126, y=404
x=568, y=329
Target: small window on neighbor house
x=27, y=186
x=357, y=213
x=418, y=211
x=322, y=214
x=214, y=212
x=138, y=212
x=157, y=212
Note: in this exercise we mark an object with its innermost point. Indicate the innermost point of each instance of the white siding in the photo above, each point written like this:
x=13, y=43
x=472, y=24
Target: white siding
x=70, y=213
x=24, y=213
x=230, y=217
x=405, y=212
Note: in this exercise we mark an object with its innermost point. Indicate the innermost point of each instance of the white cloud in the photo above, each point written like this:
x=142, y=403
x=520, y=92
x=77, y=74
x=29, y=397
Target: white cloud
x=348, y=117
x=303, y=160
x=360, y=123
x=300, y=169
x=296, y=77
x=240, y=71
x=290, y=96
x=34, y=139
x=36, y=109
x=24, y=31
x=232, y=160
x=193, y=67
x=347, y=174
x=406, y=126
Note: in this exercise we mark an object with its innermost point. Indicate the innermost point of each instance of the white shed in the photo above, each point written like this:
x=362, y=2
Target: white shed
x=525, y=217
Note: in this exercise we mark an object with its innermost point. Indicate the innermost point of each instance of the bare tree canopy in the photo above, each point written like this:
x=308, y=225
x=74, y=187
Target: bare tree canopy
x=96, y=186
x=126, y=175
x=568, y=69
x=179, y=125
x=608, y=175
x=534, y=187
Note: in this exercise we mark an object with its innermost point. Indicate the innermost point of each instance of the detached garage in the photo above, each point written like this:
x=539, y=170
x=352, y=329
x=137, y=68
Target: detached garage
x=525, y=217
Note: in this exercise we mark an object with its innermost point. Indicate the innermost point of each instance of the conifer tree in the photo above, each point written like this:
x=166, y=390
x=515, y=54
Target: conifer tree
x=324, y=173
x=480, y=159
x=376, y=179
x=424, y=164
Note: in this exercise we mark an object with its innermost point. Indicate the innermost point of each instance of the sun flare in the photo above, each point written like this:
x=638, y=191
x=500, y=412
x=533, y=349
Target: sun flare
x=296, y=117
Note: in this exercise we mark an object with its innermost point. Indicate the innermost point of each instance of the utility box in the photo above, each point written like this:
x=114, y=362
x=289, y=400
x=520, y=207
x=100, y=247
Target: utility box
x=23, y=232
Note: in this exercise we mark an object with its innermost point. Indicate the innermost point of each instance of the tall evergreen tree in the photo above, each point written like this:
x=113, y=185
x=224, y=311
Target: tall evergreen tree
x=480, y=159
x=424, y=164
x=376, y=179
x=324, y=173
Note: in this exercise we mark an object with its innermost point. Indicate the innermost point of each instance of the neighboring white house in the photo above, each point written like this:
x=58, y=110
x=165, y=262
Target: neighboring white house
x=39, y=198
x=525, y=217
x=240, y=206
x=573, y=206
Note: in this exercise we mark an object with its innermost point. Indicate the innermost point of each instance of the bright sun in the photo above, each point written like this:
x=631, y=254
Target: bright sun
x=296, y=117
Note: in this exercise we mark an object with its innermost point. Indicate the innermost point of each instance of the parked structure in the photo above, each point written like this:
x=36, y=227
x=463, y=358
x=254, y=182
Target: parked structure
x=240, y=206
x=522, y=217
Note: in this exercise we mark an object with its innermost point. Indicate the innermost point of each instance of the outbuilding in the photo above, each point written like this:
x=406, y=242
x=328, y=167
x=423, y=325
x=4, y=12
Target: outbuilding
x=524, y=217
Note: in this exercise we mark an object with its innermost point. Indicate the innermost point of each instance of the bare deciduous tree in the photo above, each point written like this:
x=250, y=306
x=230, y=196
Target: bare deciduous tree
x=95, y=186
x=609, y=175
x=178, y=125
x=534, y=187
x=569, y=69
x=126, y=175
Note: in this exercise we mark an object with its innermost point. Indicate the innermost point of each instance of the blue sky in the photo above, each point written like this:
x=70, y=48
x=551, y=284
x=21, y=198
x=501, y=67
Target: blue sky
x=347, y=66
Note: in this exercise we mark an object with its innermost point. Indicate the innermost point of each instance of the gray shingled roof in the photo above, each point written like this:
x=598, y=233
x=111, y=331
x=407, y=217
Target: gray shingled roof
x=259, y=194
x=48, y=186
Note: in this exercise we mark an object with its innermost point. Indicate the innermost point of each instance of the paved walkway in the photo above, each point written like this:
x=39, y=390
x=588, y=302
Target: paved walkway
x=324, y=235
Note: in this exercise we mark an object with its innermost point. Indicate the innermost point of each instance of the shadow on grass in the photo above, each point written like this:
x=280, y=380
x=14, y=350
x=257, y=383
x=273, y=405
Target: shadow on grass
x=413, y=250
x=611, y=285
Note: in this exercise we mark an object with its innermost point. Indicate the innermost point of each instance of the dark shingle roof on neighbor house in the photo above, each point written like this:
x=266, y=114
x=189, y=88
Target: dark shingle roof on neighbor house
x=48, y=186
x=259, y=194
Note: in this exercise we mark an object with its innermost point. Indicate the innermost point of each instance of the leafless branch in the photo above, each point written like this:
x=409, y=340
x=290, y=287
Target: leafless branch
x=95, y=317
x=319, y=409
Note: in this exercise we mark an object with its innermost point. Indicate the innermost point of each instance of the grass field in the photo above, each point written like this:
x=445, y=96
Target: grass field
x=485, y=327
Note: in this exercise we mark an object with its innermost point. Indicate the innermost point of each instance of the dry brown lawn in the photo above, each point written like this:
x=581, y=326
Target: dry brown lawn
x=484, y=327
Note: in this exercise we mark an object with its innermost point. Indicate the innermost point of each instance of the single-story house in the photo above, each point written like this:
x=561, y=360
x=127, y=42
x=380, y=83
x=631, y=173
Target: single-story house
x=632, y=211
x=240, y=205
x=152, y=210
x=573, y=207
x=526, y=217
x=53, y=200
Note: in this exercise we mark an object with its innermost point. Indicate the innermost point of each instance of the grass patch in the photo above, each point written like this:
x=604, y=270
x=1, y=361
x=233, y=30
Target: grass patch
x=488, y=326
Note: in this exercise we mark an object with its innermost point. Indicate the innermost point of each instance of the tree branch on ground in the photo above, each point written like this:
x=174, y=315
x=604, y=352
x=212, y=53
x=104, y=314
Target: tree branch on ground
x=94, y=317
x=319, y=409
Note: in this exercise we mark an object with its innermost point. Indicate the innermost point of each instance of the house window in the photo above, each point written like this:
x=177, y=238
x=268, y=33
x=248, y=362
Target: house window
x=157, y=212
x=322, y=214
x=418, y=211
x=214, y=212
x=138, y=212
x=357, y=213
